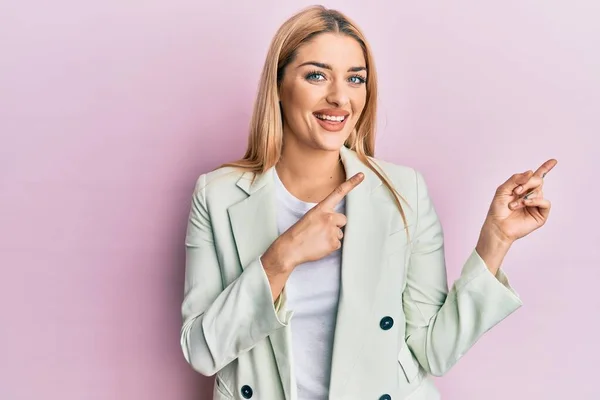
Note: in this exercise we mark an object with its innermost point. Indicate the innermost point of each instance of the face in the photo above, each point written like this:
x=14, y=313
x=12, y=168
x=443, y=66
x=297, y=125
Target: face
x=323, y=92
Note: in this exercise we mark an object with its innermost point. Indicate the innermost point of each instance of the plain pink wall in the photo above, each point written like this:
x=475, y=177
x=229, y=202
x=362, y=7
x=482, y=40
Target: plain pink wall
x=110, y=110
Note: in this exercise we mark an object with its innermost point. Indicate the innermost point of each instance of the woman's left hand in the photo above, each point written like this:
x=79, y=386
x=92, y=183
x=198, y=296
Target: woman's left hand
x=519, y=206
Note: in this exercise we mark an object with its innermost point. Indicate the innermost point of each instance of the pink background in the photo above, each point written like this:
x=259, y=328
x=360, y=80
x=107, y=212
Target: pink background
x=110, y=110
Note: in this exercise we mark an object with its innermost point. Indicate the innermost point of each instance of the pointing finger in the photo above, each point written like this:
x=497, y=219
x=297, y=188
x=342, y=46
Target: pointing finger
x=545, y=168
x=341, y=191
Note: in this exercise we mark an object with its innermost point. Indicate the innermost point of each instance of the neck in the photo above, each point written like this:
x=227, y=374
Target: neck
x=308, y=173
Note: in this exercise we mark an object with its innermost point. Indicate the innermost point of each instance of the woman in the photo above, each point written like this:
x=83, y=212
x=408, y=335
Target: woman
x=315, y=271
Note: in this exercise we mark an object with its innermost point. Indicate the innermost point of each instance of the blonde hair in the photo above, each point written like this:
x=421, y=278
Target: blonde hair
x=266, y=127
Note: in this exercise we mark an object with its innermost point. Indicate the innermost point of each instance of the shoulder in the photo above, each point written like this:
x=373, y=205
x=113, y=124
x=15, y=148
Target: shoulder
x=401, y=176
x=218, y=181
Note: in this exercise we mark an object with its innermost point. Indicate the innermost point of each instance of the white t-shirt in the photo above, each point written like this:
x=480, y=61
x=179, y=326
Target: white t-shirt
x=312, y=293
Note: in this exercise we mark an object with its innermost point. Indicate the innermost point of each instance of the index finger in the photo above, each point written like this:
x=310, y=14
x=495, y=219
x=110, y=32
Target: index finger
x=545, y=168
x=339, y=192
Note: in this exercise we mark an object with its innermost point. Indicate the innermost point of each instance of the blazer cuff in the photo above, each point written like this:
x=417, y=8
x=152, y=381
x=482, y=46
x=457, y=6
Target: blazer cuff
x=475, y=271
x=279, y=306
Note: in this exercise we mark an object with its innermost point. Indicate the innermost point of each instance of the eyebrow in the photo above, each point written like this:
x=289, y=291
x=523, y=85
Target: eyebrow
x=327, y=66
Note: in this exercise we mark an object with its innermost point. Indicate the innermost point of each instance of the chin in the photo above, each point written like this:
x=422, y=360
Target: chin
x=331, y=142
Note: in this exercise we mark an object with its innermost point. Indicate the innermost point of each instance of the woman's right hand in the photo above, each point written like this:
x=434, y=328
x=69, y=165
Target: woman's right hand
x=317, y=234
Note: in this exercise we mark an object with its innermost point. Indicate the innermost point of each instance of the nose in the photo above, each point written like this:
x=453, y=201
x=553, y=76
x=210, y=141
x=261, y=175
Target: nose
x=337, y=95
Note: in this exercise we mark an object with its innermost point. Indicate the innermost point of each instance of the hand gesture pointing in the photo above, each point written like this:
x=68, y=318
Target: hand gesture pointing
x=519, y=206
x=317, y=234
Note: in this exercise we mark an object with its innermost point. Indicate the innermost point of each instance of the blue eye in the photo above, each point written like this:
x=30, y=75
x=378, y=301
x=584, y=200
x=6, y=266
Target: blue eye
x=314, y=76
x=317, y=76
x=357, y=79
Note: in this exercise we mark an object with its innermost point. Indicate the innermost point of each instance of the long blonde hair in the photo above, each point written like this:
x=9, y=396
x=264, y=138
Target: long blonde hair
x=266, y=127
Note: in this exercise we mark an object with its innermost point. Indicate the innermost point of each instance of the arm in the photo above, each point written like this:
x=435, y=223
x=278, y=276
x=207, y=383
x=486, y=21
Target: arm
x=220, y=323
x=442, y=325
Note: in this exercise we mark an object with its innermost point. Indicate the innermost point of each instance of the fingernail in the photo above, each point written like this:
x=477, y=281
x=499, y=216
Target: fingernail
x=514, y=204
x=519, y=189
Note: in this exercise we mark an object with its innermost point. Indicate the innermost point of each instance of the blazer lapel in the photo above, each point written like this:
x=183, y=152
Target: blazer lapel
x=366, y=230
x=254, y=226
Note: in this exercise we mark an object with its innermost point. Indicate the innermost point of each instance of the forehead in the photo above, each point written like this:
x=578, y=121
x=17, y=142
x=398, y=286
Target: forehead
x=338, y=50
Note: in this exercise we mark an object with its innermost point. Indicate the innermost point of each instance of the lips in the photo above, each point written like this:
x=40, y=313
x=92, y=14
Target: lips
x=335, y=112
x=330, y=118
x=331, y=122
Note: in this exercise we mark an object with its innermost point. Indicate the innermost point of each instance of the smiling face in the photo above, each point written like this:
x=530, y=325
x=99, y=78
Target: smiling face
x=323, y=92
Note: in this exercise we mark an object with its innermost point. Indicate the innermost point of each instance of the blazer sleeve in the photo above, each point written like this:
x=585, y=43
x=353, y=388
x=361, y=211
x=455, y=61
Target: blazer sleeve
x=442, y=325
x=220, y=323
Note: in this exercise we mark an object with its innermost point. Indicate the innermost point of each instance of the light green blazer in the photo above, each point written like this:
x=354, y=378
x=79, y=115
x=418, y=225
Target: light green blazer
x=397, y=322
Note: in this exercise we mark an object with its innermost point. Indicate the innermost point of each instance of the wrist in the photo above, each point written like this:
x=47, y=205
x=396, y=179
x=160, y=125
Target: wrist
x=276, y=260
x=491, y=233
x=492, y=248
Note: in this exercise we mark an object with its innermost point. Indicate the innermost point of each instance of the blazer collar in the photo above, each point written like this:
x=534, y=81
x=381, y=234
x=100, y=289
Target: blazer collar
x=251, y=183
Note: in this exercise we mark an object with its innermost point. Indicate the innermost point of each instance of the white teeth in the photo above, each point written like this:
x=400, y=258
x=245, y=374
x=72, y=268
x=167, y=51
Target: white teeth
x=330, y=117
